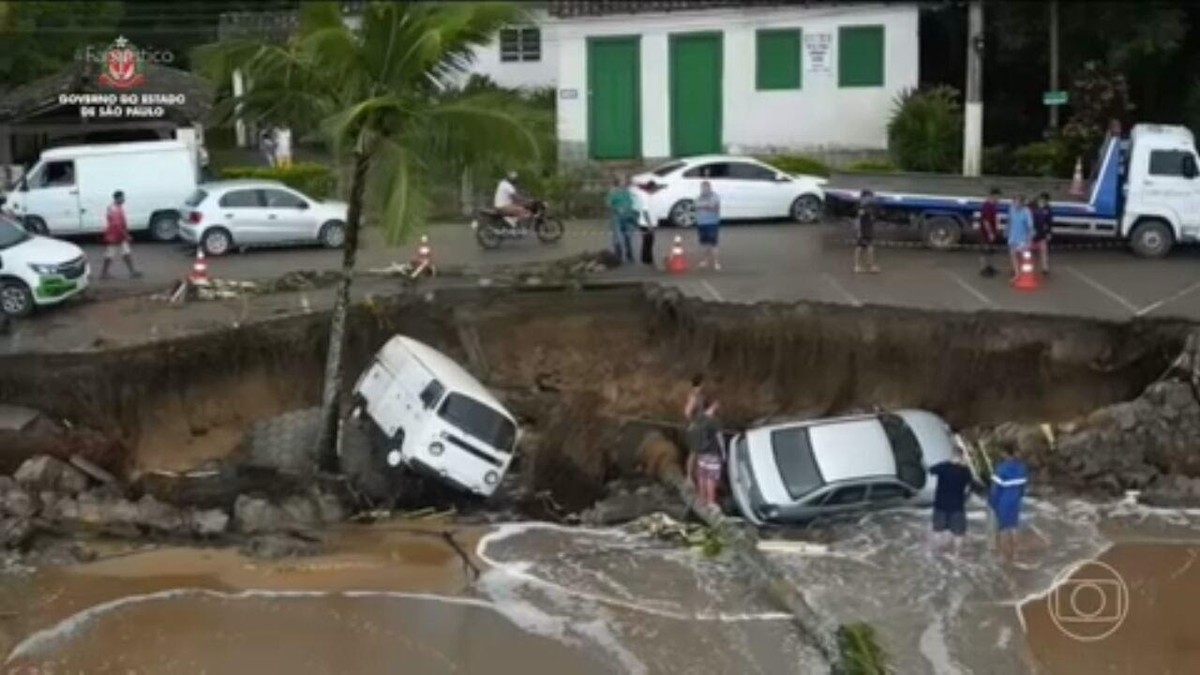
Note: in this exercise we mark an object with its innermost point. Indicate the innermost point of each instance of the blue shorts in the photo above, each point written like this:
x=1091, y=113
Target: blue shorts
x=955, y=521
x=707, y=234
x=1017, y=245
x=1008, y=516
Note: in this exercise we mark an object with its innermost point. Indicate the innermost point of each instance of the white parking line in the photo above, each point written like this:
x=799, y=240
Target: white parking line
x=842, y=289
x=970, y=289
x=711, y=290
x=1100, y=287
x=1150, y=308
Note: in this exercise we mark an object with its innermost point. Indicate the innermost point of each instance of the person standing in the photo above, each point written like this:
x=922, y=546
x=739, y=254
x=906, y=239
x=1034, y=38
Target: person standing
x=864, y=226
x=117, y=237
x=1043, y=226
x=1020, y=232
x=1009, y=481
x=989, y=230
x=645, y=224
x=704, y=445
x=708, y=224
x=266, y=143
x=620, y=212
x=954, y=482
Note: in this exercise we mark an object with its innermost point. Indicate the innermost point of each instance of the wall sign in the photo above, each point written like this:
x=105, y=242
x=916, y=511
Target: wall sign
x=817, y=47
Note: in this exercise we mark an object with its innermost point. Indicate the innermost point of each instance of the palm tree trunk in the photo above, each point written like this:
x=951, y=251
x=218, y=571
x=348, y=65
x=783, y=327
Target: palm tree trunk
x=332, y=387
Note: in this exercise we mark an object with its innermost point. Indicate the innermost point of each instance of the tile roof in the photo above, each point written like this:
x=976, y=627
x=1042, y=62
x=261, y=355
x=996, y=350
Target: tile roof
x=584, y=8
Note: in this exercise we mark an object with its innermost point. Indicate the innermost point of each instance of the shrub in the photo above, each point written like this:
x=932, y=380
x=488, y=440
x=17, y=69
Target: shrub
x=998, y=161
x=1045, y=159
x=926, y=130
x=872, y=166
x=313, y=180
x=797, y=164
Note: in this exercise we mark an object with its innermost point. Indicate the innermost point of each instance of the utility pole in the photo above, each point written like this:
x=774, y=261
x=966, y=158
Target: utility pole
x=1054, y=64
x=973, y=127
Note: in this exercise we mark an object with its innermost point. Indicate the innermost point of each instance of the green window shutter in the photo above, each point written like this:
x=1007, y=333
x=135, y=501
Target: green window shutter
x=778, y=59
x=860, y=56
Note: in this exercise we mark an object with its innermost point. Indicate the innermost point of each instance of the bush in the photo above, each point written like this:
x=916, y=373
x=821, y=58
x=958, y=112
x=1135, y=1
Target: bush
x=872, y=166
x=998, y=161
x=1044, y=159
x=797, y=164
x=926, y=130
x=313, y=180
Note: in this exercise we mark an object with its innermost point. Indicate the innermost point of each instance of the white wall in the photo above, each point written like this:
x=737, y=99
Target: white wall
x=819, y=116
x=514, y=74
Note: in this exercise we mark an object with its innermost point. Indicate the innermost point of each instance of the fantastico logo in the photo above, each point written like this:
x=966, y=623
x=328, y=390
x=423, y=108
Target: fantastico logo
x=123, y=65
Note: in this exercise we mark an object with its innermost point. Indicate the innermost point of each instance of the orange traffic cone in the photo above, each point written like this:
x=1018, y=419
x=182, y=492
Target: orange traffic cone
x=1077, y=179
x=1027, y=279
x=423, y=263
x=199, y=274
x=677, y=262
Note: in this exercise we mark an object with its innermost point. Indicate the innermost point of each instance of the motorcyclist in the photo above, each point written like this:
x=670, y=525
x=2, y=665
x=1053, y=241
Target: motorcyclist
x=509, y=202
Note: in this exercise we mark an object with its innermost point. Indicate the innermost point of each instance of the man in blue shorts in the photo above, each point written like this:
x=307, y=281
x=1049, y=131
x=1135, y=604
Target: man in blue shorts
x=1008, y=490
x=954, y=483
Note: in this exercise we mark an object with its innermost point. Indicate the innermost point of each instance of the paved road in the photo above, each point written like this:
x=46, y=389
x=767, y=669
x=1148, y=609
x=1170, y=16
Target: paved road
x=776, y=262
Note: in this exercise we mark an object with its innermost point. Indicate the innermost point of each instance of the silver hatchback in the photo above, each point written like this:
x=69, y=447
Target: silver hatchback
x=240, y=214
x=796, y=471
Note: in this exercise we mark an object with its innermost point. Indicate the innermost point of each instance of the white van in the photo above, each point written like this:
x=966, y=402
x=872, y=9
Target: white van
x=431, y=415
x=68, y=191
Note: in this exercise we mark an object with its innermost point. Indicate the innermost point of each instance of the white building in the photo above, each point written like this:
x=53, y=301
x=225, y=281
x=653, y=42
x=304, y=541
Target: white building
x=662, y=79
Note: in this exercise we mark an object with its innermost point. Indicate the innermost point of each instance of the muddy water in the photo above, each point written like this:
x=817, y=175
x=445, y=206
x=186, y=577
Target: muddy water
x=555, y=599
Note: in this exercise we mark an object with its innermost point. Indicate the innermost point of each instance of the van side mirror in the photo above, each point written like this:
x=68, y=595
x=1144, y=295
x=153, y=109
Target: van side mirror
x=1189, y=167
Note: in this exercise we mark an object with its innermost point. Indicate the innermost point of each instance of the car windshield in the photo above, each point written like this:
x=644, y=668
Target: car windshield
x=668, y=168
x=197, y=197
x=797, y=466
x=480, y=421
x=907, y=450
x=11, y=234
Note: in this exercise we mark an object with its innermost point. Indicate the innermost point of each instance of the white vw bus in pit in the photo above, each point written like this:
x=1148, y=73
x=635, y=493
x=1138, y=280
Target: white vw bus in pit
x=431, y=415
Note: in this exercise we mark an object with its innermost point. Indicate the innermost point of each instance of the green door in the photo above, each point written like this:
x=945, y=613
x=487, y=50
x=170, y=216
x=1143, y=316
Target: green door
x=696, y=100
x=614, y=106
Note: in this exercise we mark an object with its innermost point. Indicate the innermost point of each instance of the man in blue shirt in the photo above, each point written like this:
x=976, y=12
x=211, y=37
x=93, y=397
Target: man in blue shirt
x=1020, y=232
x=1009, y=480
x=954, y=483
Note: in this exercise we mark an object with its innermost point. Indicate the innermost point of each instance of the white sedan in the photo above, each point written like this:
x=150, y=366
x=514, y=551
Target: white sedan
x=748, y=188
x=240, y=214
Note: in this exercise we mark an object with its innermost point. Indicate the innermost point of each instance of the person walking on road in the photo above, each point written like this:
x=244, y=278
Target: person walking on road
x=1043, y=226
x=1009, y=481
x=622, y=217
x=989, y=230
x=864, y=226
x=117, y=237
x=1020, y=232
x=708, y=224
x=954, y=483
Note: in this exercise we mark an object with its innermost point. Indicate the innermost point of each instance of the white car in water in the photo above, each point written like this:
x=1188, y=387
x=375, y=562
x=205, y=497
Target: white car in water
x=240, y=214
x=748, y=188
x=37, y=271
x=798, y=471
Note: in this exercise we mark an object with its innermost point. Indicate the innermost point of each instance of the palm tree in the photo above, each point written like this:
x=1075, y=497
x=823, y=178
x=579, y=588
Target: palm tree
x=373, y=95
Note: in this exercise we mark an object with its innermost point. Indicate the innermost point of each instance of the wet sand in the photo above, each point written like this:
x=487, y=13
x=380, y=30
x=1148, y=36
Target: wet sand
x=1160, y=633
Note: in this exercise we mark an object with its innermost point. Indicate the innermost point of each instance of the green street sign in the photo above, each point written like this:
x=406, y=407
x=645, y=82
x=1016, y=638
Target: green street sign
x=1054, y=98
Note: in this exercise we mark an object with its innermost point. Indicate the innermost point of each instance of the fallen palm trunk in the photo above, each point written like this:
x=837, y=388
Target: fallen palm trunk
x=744, y=544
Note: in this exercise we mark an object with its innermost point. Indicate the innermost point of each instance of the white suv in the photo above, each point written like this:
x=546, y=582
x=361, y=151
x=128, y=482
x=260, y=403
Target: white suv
x=37, y=271
x=240, y=214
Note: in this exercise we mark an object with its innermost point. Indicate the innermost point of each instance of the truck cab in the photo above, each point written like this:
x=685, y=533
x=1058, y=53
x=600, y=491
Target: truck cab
x=1162, y=189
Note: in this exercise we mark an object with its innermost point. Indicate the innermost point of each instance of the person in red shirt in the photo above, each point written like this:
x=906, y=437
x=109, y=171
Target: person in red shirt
x=989, y=229
x=117, y=237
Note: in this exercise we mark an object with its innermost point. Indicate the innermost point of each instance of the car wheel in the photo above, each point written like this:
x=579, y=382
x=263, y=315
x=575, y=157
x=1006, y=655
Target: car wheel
x=942, y=233
x=1151, y=239
x=35, y=225
x=15, y=298
x=333, y=234
x=683, y=213
x=164, y=227
x=806, y=209
x=216, y=242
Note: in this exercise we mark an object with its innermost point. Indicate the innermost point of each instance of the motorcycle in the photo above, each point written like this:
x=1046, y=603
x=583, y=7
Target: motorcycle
x=491, y=228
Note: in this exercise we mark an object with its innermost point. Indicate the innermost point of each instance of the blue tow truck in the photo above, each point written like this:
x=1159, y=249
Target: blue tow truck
x=1146, y=192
